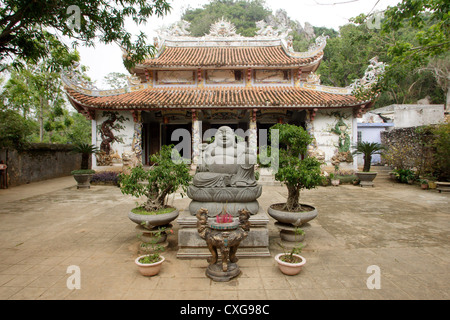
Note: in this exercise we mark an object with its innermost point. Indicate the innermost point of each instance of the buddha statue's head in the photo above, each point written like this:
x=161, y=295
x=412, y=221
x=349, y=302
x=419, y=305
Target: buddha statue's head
x=225, y=137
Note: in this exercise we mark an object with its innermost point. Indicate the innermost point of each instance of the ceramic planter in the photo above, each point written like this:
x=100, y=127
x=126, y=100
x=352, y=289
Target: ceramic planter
x=335, y=182
x=287, y=268
x=366, y=178
x=431, y=184
x=149, y=269
x=151, y=221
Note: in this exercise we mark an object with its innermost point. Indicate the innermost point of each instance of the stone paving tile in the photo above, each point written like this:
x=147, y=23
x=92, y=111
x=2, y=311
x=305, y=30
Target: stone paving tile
x=27, y=293
x=91, y=229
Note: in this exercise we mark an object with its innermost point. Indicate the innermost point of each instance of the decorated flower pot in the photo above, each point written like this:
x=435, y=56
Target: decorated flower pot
x=149, y=269
x=287, y=268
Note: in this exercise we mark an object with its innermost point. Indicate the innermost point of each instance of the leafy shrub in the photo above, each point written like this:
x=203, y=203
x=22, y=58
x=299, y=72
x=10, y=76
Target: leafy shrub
x=441, y=144
x=404, y=175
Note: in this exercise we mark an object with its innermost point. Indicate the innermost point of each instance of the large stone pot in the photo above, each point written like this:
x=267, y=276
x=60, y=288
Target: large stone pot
x=151, y=221
x=293, y=218
x=366, y=178
x=83, y=180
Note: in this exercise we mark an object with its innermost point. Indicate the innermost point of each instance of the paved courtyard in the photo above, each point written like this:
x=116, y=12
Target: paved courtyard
x=48, y=226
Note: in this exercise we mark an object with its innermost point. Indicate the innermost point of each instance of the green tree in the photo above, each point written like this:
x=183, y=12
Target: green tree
x=164, y=178
x=14, y=129
x=296, y=173
x=80, y=129
x=367, y=149
x=430, y=20
x=23, y=25
x=36, y=90
x=346, y=58
x=243, y=14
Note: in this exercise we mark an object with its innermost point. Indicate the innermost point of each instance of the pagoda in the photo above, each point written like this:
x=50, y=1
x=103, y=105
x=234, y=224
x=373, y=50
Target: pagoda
x=222, y=78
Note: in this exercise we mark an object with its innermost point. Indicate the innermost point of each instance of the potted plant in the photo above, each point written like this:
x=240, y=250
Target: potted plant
x=297, y=173
x=290, y=262
x=367, y=149
x=423, y=184
x=167, y=174
x=150, y=264
x=334, y=181
x=84, y=175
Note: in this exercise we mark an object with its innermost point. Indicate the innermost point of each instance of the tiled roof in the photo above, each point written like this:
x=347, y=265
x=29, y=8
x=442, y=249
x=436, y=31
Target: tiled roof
x=227, y=97
x=227, y=57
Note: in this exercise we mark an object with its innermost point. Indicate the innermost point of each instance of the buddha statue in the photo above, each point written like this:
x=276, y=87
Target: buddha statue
x=225, y=177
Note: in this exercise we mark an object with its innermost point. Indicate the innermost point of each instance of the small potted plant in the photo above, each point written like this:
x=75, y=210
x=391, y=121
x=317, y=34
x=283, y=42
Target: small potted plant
x=367, y=149
x=84, y=175
x=150, y=264
x=290, y=262
x=297, y=173
x=334, y=180
x=423, y=184
x=167, y=174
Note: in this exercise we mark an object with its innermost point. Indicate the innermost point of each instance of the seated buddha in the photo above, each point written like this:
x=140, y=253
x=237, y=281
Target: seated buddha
x=225, y=163
x=225, y=174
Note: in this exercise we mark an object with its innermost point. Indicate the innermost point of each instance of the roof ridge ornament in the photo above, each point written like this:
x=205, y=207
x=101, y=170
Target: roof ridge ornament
x=223, y=28
x=372, y=75
x=73, y=74
x=177, y=29
x=315, y=48
x=266, y=30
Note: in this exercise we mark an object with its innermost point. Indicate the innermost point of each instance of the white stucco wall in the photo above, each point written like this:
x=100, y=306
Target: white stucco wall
x=126, y=134
x=327, y=141
x=417, y=115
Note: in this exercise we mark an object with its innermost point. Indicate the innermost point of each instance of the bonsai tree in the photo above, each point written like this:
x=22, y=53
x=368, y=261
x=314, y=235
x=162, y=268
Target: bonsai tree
x=296, y=170
x=368, y=149
x=86, y=151
x=164, y=177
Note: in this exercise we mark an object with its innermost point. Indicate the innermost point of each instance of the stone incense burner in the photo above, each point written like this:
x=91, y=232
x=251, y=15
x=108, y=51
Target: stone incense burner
x=224, y=237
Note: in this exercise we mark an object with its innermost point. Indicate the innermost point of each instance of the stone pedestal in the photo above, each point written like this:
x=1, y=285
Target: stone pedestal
x=215, y=272
x=147, y=236
x=287, y=232
x=192, y=246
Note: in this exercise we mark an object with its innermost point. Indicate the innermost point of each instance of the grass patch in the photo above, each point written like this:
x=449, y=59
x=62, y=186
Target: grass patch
x=152, y=213
x=84, y=171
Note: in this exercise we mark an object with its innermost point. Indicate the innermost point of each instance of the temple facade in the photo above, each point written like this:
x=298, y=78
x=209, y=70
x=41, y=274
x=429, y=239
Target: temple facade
x=194, y=85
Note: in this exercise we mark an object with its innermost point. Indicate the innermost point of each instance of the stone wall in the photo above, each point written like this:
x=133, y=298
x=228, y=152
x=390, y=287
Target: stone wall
x=406, y=148
x=38, y=162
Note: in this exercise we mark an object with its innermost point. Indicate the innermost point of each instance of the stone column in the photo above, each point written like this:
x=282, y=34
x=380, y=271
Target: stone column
x=253, y=132
x=313, y=149
x=196, y=137
x=137, y=137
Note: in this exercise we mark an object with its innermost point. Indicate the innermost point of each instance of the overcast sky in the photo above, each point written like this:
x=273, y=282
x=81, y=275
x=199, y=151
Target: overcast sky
x=103, y=59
